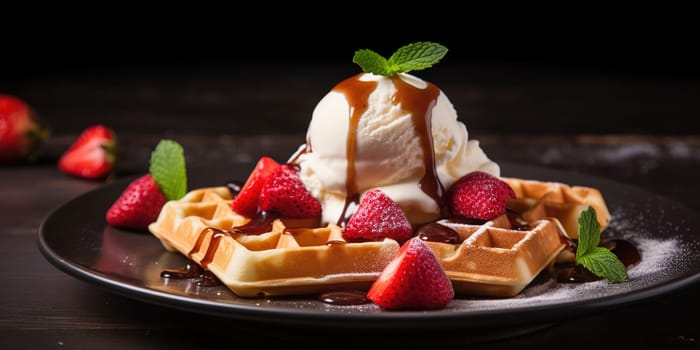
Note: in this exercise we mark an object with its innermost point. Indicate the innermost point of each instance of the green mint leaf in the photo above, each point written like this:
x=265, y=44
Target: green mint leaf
x=167, y=167
x=603, y=263
x=371, y=62
x=588, y=231
x=417, y=56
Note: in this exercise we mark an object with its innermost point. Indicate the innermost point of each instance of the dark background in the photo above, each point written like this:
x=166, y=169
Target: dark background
x=574, y=68
x=620, y=38
x=569, y=87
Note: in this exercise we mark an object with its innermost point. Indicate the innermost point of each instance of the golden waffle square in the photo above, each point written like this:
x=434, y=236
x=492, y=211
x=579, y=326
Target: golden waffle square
x=540, y=199
x=494, y=259
x=285, y=261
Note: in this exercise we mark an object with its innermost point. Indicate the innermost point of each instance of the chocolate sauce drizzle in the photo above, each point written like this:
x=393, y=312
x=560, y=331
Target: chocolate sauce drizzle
x=624, y=250
x=192, y=269
x=357, y=94
x=261, y=223
x=436, y=232
x=419, y=103
x=344, y=297
x=216, y=237
x=568, y=273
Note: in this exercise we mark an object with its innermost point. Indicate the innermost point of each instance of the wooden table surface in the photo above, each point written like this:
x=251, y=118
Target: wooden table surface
x=237, y=117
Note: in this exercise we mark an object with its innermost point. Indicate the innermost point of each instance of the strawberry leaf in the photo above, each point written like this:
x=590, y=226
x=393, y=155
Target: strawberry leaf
x=589, y=231
x=417, y=56
x=411, y=57
x=372, y=62
x=167, y=167
x=601, y=261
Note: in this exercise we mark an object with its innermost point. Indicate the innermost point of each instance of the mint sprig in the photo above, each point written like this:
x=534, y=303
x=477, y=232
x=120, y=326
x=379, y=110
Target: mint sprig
x=167, y=167
x=599, y=260
x=411, y=57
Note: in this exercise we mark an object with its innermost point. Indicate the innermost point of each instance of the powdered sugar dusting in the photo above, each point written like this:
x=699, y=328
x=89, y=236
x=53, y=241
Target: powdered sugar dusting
x=656, y=256
x=662, y=259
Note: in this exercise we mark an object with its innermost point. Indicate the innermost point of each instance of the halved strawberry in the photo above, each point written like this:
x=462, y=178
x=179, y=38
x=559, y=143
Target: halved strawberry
x=414, y=279
x=92, y=156
x=138, y=206
x=246, y=201
x=22, y=132
x=284, y=192
x=479, y=195
x=378, y=217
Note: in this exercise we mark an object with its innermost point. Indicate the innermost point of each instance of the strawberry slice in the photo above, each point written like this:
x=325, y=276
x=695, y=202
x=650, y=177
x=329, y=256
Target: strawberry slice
x=246, y=201
x=414, y=279
x=378, y=217
x=92, y=155
x=284, y=192
x=138, y=205
x=479, y=195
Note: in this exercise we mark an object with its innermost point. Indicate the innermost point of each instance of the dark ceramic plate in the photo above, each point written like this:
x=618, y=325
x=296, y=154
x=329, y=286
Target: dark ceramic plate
x=76, y=239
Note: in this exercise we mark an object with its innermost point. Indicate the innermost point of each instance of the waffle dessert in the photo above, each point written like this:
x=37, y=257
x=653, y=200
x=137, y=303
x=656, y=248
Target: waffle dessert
x=495, y=258
x=540, y=199
x=386, y=159
x=283, y=261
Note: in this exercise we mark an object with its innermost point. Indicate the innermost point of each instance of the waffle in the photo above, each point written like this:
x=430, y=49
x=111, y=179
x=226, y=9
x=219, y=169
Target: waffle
x=490, y=259
x=538, y=199
x=495, y=259
x=284, y=261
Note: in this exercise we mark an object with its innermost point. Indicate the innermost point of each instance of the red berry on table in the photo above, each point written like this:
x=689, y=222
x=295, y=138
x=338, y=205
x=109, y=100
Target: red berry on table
x=414, y=279
x=479, y=195
x=378, y=217
x=22, y=133
x=138, y=206
x=284, y=192
x=246, y=201
x=92, y=156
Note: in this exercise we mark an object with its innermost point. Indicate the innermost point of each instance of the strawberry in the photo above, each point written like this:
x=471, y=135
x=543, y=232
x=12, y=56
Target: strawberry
x=479, y=195
x=143, y=199
x=21, y=131
x=284, y=192
x=378, y=217
x=138, y=206
x=92, y=155
x=414, y=279
x=246, y=201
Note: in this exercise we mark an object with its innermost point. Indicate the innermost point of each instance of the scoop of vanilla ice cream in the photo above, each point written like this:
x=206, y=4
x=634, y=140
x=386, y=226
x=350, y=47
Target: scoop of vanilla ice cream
x=388, y=152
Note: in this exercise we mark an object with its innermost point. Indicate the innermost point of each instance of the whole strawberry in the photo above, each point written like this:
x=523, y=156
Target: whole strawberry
x=138, y=206
x=142, y=200
x=378, y=217
x=93, y=154
x=414, y=279
x=284, y=192
x=479, y=195
x=22, y=133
